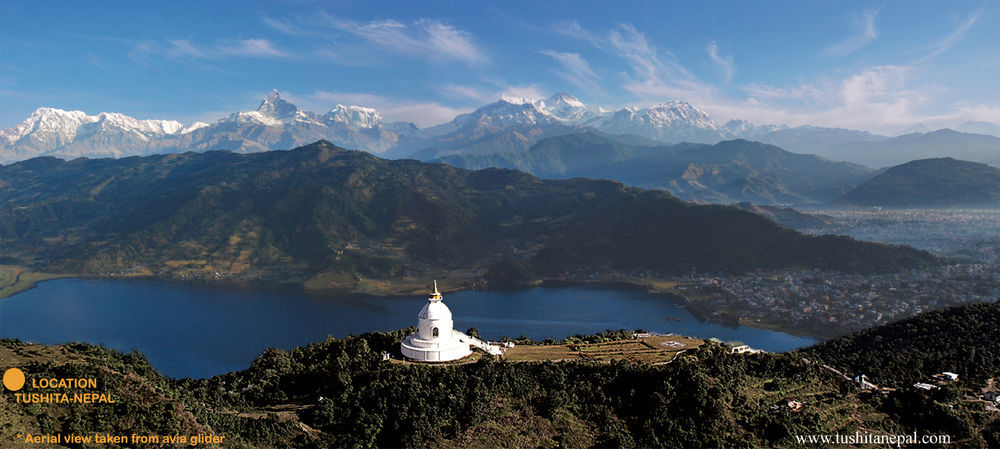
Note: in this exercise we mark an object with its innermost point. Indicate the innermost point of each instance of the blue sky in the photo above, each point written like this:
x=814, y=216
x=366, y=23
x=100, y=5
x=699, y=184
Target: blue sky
x=879, y=66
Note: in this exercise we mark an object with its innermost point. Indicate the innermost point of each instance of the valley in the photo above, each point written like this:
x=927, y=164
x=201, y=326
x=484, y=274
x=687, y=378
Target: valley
x=350, y=224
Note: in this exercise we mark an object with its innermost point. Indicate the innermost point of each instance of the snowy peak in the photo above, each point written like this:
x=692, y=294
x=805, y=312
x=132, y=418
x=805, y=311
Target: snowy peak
x=275, y=106
x=570, y=109
x=122, y=122
x=55, y=124
x=356, y=116
x=515, y=100
x=563, y=99
x=194, y=127
x=746, y=129
x=56, y=127
x=678, y=112
x=672, y=121
x=273, y=111
x=506, y=113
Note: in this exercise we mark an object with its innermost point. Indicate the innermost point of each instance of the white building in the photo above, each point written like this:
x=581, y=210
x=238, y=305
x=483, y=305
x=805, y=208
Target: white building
x=435, y=339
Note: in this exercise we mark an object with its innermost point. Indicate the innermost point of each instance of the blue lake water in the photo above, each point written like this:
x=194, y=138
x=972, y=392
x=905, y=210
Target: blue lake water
x=192, y=331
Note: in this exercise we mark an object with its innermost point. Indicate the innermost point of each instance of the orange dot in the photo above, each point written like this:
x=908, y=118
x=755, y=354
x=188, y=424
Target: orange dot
x=13, y=379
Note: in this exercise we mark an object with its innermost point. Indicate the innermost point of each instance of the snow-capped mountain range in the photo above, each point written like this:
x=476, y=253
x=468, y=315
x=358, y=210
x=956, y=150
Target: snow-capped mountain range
x=511, y=123
x=508, y=125
x=275, y=124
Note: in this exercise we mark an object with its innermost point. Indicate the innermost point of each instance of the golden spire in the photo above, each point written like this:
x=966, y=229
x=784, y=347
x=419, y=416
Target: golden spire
x=435, y=294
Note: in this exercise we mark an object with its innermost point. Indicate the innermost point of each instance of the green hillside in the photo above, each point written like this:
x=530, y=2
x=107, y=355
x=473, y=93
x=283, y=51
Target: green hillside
x=328, y=216
x=727, y=172
x=934, y=183
x=962, y=340
x=340, y=393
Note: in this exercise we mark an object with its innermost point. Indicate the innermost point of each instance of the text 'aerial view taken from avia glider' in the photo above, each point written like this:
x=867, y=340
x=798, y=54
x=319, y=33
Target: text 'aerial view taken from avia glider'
x=559, y=224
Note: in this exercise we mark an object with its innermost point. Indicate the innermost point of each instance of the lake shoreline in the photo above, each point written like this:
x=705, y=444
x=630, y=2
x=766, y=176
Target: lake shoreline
x=408, y=287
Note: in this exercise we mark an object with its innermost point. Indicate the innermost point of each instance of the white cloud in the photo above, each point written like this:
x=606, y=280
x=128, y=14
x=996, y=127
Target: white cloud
x=180, y=49
x=573, y=29
x=482, y=95
x=465, y=92
x=250, y=47
x=767, y=92
x=724, y=62
x=421, y=113
x=879, y=98
x=955, y=37
x=183, y=48
x=866, y=35
x=530, y=92
x=576, y=70
x=423, y=38
x=656, y=75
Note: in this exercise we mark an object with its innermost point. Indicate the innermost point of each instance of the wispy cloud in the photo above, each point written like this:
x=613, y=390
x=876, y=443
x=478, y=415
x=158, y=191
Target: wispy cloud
x=725, y=63
x=250, y=47
x=572, y=28
x=481, y=95
x=145, y=52
x=955, y=37
x=655, y=74
x=865, y=22
x=421, y=113
x=423, y=38
x=576, y=70
x=879, y=98
x=464, y=92
x=529, y=91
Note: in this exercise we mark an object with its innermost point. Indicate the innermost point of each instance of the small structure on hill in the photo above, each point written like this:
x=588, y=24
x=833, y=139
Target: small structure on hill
x=436, y=339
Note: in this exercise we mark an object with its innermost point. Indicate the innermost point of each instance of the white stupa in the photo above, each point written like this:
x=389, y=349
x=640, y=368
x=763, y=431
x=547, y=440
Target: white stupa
x=436, y=340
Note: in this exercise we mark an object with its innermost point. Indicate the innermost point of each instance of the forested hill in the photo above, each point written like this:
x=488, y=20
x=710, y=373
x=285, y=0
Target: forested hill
x=340, y=393
x=933, y=183
x=963, y=340
x=319, y=212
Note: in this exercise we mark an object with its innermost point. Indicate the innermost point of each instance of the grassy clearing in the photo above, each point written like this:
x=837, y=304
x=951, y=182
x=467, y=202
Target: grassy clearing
x=15, y=279
x=650, y=350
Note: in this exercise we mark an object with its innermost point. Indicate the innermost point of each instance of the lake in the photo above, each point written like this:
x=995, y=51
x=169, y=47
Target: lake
x=192, y=331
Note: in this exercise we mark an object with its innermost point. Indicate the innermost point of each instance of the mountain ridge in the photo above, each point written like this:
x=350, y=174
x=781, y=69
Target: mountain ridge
x=726, y=172
x=936, y=183
x=514, y=124
x=321, y=213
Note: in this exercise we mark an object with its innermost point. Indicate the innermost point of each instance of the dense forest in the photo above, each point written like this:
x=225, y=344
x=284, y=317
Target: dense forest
x=940, y=183
x=325, y=216
x=964, y=340
x=340, y=393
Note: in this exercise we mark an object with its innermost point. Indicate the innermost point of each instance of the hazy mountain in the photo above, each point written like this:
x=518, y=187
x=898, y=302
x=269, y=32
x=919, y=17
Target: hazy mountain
x=510, y=125
x=940, y=143
x=740, y=170
x=293, y=215
x=919, y=128
x=745, y=129
x=937, y=183
x=979, y=127
x=727, y=172
x=815, y=139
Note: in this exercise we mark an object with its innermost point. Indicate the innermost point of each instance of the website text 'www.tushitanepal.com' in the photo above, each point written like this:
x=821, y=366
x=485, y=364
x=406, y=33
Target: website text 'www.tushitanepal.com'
x=873, y=438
